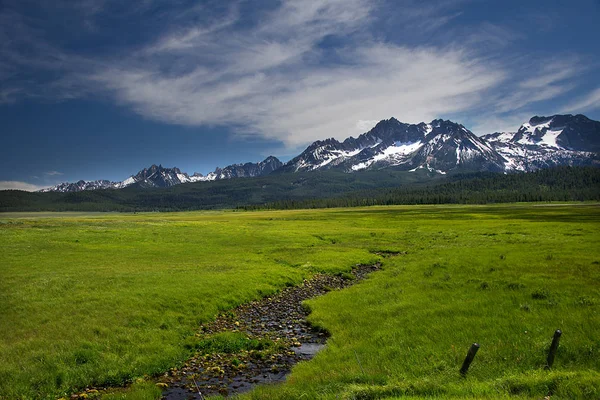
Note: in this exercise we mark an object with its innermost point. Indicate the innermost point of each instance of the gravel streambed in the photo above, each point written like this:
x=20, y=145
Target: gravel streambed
x=278, y=337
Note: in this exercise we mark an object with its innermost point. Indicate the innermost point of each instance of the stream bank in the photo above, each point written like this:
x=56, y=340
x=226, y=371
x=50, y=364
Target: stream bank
x=269, y=337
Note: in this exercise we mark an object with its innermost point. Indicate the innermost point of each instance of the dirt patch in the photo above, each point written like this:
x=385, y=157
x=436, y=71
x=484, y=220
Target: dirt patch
x=389, y=253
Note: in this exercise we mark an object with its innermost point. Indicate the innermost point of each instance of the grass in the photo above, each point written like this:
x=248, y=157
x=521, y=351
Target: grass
x=111, y=298
x=138, y=391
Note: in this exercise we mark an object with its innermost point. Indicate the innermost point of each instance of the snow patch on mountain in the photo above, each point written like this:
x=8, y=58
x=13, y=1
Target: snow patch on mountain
x=128, y=181
x=183, y=178
x=392, y=154
x=158, y=176
x=549, y=138
x=428, y=167
x=440, y=146
x=336, y=155
x=548, y=141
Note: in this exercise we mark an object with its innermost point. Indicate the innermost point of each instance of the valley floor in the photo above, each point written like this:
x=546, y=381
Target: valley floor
x=103, y=300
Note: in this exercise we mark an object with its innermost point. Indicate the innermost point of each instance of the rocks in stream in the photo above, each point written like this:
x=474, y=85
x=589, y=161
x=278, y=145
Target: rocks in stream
x=277, y=336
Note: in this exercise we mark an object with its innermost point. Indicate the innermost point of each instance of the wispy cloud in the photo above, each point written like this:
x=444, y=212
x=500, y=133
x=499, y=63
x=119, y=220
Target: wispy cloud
x=515, y=103
x=591, y=101
x=16, y=185
x=365, y=125
x=272, y=73
x=275, y=80
x=490, y=123
x=53, y=173
x=489, y=35
x=378, y=81
x=552, y=79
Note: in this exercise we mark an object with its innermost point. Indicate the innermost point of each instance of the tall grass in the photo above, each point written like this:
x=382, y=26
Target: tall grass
x=107, y=299
x=505, y=279
x=103, y=300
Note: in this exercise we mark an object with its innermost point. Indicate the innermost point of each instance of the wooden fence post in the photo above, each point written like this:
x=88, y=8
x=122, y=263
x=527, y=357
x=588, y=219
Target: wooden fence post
x=469, y=359
x=553, y=348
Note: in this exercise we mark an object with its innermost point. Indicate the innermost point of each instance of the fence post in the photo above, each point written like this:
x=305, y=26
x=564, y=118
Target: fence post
x=469, y=359
x=553, y=348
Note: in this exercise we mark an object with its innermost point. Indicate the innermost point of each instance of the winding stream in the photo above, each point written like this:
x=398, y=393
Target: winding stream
x=280, y=319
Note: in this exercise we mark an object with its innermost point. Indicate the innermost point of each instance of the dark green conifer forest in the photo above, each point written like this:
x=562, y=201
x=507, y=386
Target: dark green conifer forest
x=325, y=190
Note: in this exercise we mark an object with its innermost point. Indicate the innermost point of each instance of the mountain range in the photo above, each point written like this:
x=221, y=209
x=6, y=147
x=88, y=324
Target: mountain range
x=159, y=176
x=440, y=147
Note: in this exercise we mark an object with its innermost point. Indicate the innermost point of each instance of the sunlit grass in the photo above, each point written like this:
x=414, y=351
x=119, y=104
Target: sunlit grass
x=506, y=280
x=110, y=298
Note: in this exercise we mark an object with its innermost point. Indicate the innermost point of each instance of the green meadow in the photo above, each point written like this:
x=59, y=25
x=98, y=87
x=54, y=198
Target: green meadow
x=109, y=299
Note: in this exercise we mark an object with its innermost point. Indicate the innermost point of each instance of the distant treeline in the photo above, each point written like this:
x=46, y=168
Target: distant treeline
x=554, y=184
x=325, y=190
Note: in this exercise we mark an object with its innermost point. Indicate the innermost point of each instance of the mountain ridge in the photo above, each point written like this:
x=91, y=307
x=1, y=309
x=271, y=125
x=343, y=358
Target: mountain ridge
x=157, y=176
x=440, y=146
x=445, y=146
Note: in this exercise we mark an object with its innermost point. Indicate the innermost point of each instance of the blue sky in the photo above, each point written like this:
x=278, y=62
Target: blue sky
x=99, y=89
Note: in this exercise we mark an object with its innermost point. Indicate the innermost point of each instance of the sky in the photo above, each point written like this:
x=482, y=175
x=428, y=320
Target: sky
x=99, y=89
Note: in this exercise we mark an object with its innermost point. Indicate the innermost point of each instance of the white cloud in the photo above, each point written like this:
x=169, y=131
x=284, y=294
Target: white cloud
x=552, y=79
x=16, y=185
x=9, y=95
x=491, y=35
x=365, y=125
x=53, y=173
x=270, y=76
x=306, y=103
x=490, y=123
x=591, y=101
x=274, y=80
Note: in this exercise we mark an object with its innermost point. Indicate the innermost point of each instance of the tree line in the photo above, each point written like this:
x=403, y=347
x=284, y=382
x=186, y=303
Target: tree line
x=546, y=185
x=326, y=190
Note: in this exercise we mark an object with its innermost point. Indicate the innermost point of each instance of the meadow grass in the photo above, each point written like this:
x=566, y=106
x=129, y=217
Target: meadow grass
x=107, y=299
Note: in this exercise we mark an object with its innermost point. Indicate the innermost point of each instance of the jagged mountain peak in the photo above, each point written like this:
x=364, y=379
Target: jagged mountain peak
x=270, y=159
x=248, y=169
x=439, y=121
x=447, y=126
x=443, y=145
x=386, y=122
x=561, y=131
x=386, y=125
x=81, y=185
x=439, y=146
x=159, y=176
x=546, y=141
x=539, y=120
x=324, y=142
x=391, y=143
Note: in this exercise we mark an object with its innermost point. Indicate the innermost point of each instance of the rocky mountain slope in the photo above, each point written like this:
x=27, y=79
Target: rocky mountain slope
x=82, y=185
x=159, y=176
x=440, y=146
x=247, y=170
x=549, y=141
x=445, y=146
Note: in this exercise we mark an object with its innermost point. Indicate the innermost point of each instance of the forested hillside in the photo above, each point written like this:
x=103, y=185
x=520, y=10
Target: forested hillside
x=325, y=189
x=555, y=184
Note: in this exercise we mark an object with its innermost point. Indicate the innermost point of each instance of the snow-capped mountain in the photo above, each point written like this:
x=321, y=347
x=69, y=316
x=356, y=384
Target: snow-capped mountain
x=438, y=146
x=246, y=170
x=159, y=176
x=549, y=141
x=156, y=176
x=444, y=146
x=82, y=185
